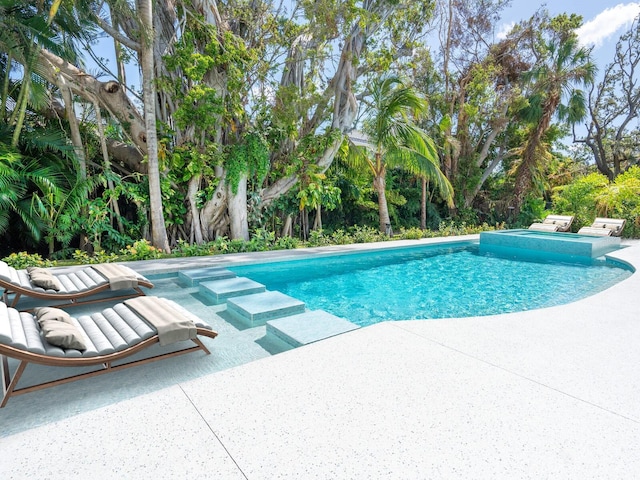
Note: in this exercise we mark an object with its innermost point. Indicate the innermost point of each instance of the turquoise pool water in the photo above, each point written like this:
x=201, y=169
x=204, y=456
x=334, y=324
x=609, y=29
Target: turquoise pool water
x=456, y=280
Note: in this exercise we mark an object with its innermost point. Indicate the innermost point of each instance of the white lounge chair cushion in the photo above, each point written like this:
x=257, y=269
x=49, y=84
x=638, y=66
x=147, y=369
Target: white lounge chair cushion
x=604, y=232
x=112, y=330
x=77, y=281
x=614, y=226
x=544, y=227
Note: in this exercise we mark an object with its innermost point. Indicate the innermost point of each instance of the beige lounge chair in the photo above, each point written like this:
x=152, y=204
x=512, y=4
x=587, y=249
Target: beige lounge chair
x=554, y=223
x=605, y=227
x=73, y=286
x=99, y=339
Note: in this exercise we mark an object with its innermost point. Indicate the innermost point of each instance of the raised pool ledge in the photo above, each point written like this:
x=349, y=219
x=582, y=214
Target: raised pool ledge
x=551, y=242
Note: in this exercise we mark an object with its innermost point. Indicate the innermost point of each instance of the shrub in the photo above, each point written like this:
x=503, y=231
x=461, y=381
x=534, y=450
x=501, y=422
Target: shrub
x=286, y=243
x=22, y=260
x=579, y=199
x=317, y=238
x=593, y=196
x=140, y=250
x=365, y=234
x=98, y=257
x=411, y=233
x=340, y=237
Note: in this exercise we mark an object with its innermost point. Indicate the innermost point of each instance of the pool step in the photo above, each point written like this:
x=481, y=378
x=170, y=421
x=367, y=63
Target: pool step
x=220, y=290
x=257, y=308
x=308, y=327
x=192, y=277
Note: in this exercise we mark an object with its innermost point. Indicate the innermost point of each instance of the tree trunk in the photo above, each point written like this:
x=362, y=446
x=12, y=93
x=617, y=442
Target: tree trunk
x=109, y=95
x=237, y=206
x=107, y=167
x=532, y=155
x=287, y=228
x=158, y=229
x=379, y=185
x=317, y=223
x=76, y=139
x=423, y=204
x=196, y=227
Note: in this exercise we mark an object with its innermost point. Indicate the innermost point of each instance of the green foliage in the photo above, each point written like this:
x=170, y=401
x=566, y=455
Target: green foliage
x=579, y=198
x=621, y=199
x=364, y=234
x=82, y=257
x=250, y=157
x=285, y=243
x=533, y=209
x=23, y=260
x=140, y=250
x=411, y=233
x=317, y=238
x=593, y=195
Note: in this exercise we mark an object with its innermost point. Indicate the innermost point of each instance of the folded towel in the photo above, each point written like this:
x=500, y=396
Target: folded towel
x=119, y=276
x=171, y=324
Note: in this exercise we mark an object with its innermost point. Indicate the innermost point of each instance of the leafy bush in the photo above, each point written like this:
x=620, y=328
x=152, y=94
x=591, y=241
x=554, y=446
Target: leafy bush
x=22, y=260
x=140, y=250
x=411, y=233
x=364, y=234
x=593, y=196
x=261, y=240
x=340, y=237
x=317, y=238
x=98, y=257
x=286, y=243
x=579, y=199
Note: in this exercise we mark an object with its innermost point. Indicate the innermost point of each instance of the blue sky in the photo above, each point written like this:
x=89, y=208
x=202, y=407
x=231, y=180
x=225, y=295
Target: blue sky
x=604, y=20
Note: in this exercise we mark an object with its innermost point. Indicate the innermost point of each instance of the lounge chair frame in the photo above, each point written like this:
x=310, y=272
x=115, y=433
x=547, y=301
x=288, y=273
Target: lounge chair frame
x=72, y=298
x=10, y=383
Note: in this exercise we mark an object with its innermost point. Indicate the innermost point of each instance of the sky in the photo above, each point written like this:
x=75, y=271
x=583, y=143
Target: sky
x=603, y=21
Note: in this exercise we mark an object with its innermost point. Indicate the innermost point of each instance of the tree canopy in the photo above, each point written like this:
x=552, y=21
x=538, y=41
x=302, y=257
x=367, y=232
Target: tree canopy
x=240, y=113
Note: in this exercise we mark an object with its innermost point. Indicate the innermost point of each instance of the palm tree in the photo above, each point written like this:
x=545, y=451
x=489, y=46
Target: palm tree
x=564, y=64
x=393, y=140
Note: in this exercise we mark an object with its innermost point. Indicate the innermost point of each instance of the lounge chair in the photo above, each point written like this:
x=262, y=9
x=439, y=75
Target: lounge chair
x=74, y=287
x=554, y=223
x=49, y=336
x=605, y=227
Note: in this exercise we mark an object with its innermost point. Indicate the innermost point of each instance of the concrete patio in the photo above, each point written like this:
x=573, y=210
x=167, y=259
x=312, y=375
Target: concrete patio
x=550, y=393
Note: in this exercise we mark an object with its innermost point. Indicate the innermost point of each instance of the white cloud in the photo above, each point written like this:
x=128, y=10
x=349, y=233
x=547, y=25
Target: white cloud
x=505, y=28
x=607, y=23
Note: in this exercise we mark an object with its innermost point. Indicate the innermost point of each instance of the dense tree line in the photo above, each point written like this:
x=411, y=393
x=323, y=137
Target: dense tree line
x=250, y=115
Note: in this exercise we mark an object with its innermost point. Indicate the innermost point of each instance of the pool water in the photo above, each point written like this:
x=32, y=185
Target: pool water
x=434, y=282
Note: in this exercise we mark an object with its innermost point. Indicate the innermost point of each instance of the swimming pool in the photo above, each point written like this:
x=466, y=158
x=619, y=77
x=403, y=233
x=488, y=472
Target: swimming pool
x=437, y=281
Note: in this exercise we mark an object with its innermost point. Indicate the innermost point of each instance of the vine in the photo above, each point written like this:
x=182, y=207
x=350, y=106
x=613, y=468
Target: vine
x=250, y=157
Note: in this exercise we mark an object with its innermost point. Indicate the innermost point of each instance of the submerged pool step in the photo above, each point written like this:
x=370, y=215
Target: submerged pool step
x=192, y=277
x=220, y=290
x=308, y=327
x=257, y=308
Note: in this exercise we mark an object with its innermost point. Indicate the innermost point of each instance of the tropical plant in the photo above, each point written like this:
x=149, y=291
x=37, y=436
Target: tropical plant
x=563, y=63
x=395, y=141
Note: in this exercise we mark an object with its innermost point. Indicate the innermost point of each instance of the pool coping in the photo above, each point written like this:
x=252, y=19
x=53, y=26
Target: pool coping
x=548, y=393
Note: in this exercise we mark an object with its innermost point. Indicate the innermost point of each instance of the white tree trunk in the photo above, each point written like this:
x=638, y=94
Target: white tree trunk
x=196, y=228
x=158, y=230
x=237, y=207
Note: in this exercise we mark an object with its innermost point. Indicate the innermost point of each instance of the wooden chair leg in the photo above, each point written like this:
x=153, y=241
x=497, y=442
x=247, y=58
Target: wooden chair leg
x=9, y=386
